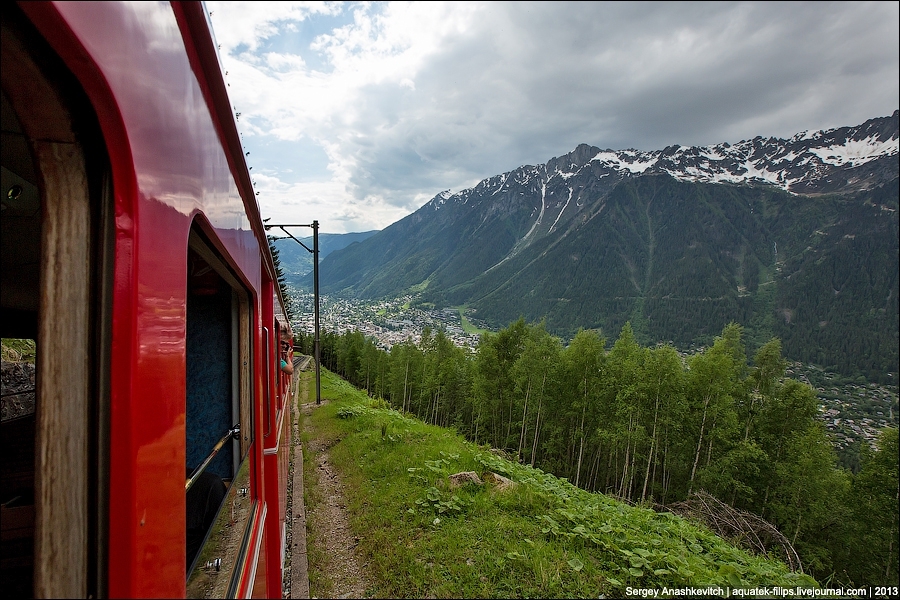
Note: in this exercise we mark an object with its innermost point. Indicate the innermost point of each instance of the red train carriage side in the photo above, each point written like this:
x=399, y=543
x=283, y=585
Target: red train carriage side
x=134, y=254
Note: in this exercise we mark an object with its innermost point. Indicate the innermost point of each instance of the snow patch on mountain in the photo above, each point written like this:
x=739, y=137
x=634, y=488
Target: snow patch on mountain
x=439, y=200
x=631, y=161
x=856, y=152
x=804, y=159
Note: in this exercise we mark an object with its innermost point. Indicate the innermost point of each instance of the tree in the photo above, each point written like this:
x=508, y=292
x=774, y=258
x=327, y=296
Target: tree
x=583, y=364
x=535, y=364
x=714, y=381
x=769, y=370
x=405, y=361
x=494, y=384
x=806, y=495
x=874, y=497
x=789, y=413
x=664, y=382
x=349, y=357
x=279, y=276
x=734, y=477
x=625, y=364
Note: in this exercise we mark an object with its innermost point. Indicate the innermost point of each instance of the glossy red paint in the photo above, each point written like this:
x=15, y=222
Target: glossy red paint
x=277, y=461
x=276, y=444
x=151, y=72
x=257, y=584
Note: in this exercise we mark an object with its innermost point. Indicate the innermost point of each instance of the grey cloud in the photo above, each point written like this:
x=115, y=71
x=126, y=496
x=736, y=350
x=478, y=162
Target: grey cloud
x=530, y=81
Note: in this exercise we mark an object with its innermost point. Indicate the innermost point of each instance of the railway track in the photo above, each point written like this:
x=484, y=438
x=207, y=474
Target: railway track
x=302, y=362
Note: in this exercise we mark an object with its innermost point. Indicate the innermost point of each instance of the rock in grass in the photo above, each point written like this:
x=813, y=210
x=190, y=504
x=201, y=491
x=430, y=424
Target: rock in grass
x=464, y=478
x=499, y=482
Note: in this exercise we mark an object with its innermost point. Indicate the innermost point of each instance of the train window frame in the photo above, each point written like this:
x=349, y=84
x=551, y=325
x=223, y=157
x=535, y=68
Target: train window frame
x=56, y=157
x=216, y=553
x=242, y=352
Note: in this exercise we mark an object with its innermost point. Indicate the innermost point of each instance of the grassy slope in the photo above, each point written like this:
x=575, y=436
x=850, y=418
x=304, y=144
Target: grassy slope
x=467, y=325
x=545, y=538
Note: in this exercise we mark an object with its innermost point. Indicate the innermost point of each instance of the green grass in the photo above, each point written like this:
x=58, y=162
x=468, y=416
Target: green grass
x=14, y=349
x=467, y=325
x=543, y=538
x=419, y=287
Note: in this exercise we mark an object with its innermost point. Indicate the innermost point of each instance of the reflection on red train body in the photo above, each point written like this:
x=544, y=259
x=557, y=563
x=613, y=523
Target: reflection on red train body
x=122, y=136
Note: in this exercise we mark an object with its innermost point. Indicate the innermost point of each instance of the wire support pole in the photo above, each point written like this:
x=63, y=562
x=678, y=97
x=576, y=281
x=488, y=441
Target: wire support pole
x=315, y=228
x=315, y=252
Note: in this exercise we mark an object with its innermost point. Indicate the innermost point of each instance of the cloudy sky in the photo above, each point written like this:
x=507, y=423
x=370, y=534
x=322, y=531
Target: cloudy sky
x=356, y=114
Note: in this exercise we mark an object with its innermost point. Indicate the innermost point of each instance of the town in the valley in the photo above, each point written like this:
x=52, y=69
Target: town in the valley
x=851, y=410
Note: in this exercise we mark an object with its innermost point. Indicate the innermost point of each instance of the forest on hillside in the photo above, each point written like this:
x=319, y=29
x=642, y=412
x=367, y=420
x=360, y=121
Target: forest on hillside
x=650, y=426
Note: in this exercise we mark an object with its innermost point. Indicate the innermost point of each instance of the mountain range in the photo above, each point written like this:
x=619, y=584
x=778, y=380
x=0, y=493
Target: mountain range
x=794, y=238
x=297, y=262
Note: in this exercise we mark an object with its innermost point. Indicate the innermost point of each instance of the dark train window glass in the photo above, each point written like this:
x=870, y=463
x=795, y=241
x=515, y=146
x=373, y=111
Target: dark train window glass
x=218, y=409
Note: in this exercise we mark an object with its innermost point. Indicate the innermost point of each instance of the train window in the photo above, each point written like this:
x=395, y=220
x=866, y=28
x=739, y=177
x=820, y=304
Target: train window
x=213, y=573
x=19, y=293
x=283, y=357
x=19, y=299
x=210, y=394
x=218, y=420
x=54, y=288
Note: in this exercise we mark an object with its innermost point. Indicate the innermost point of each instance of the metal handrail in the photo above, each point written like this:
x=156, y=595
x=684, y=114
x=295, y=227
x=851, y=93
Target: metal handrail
x=234, y=432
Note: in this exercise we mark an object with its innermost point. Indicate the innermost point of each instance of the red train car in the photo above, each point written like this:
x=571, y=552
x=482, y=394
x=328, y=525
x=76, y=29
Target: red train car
x=133, y=252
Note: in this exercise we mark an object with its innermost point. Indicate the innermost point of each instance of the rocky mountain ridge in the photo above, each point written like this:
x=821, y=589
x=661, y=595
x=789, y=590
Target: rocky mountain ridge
x=841, y=160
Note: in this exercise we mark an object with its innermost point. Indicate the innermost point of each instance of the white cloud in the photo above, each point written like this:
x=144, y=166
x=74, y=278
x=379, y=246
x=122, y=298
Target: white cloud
x=406, y=99
x=249, y=23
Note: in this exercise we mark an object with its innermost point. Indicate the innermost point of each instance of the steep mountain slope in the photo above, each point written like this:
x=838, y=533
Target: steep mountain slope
x=296, y=261
x=795, y=238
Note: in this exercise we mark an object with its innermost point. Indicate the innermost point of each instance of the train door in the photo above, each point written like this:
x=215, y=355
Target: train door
x=55, y=290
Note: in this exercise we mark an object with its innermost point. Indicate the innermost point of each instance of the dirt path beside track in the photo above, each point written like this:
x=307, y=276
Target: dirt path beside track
x=335, y=568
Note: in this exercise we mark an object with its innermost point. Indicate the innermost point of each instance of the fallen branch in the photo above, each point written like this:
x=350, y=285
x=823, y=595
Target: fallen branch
x=742, y=528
